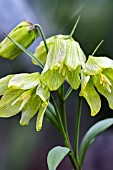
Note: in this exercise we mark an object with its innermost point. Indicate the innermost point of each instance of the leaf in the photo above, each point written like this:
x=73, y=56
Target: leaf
x=90, y=136
x=55, y=156
x=27, y=52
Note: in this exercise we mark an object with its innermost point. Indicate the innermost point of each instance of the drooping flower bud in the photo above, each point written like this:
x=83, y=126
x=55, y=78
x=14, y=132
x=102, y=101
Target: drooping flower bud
x=24, y=33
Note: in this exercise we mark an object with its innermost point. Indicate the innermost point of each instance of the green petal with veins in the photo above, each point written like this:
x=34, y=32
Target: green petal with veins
x=24, y=98
x=24, y=81
x=104, y=89
x=81, y=55
x=56, y=55
x=72, y=57
x=73, y=77
x=41, y=116
x=109, y=73
x=6, y=108
x=4, y=83
x=43, y=92
x=52, y=79
x=95, y=65
x=40, y=52
x=30, y=109
x=92, y=97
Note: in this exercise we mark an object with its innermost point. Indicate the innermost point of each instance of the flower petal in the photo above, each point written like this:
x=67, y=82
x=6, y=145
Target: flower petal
x=41, y=116
x=43, y=92
x=92, y=97
x=95, y=65
x=4, y=83
x=30, y=109
x=24, y=81
x=40, y=52
x=72, y=57
x=103, y=90
x=56, y=55
x=73, y=78
x=6, y=108
x=52, y=79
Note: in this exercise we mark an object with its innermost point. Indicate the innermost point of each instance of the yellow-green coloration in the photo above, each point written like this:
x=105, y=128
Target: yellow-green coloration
x=24, y=93
x=40, y=52
x=24, y=33
x=97, y=74
x=64, y=61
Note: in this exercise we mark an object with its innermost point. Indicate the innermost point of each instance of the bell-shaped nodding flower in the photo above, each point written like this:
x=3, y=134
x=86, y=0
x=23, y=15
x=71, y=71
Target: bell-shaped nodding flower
x=64, y=61
x=24, y=92
x=97, y=76
x=40, y=52
x=24, y=33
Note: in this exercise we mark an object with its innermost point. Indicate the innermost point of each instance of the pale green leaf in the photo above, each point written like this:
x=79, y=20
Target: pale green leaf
x=24, y=81
x=91, y=134
x=55, y=156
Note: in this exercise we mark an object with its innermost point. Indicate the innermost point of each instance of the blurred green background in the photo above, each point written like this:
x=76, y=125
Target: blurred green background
x=22, y=148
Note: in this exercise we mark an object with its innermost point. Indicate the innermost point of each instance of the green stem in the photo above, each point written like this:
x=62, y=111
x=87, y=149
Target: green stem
x=43, y=36
x=77, y=130
x=60, y=94
x=65, y=137
x=69, y=91
x=61, y=128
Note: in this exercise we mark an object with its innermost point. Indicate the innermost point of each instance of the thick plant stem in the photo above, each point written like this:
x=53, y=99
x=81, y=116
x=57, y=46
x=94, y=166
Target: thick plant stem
x=77, y=129
x=60, y=94
x=65, y=137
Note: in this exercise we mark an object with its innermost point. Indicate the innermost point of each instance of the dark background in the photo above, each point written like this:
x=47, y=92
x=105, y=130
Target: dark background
x=22, y=148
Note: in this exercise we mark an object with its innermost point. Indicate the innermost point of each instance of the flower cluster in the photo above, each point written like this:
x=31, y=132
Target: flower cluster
x=65, y=60
x=24, y=93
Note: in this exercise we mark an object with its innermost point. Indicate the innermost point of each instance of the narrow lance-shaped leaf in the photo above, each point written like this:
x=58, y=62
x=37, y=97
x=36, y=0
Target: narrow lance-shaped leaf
x=90, y=136
x=27, y=52
x=55, y=156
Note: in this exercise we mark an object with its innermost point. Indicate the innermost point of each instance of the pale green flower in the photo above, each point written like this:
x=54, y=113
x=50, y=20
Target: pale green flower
x=64, y=61
x=24, y=34
x=40, y=52
x=97, y=76
x=24, y=92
